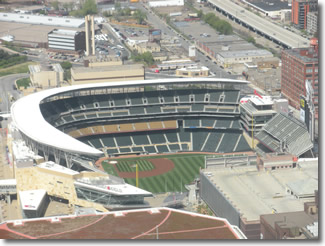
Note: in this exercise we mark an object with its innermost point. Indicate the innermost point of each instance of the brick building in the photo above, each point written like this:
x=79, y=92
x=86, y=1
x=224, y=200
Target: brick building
x=298, y=66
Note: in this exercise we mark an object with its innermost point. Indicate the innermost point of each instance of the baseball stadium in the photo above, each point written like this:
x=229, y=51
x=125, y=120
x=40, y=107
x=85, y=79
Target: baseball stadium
x=140, y=137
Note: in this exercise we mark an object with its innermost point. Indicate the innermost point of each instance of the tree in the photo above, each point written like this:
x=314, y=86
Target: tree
x=55, y=5
x=251, y=39
x=148, y=58
x=139, y=16
x=117, y=6
x=200, y=14
x=66, y=65
x=89, y=8
x=67, y=72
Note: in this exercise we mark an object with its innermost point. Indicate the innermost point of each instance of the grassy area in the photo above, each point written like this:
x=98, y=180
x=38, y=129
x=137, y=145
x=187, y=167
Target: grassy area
x=16, y=48
x=187, y=168
x=20, y=68
x=25, y=82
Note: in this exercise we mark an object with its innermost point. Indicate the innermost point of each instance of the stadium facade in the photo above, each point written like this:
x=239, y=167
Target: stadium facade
x=61, y=113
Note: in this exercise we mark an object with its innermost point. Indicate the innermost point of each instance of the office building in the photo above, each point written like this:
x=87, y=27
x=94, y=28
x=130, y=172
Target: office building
x=66, y=40
x=299, y=11
x=312, y=22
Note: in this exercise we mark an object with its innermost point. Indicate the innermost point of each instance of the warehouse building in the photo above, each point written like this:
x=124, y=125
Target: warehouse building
x=83, y=75
x=228, y=58
x=42, y=20
x=271, y=8
x=242, y=194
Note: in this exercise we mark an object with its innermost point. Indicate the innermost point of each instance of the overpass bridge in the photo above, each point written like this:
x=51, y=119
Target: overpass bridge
x=260, y=25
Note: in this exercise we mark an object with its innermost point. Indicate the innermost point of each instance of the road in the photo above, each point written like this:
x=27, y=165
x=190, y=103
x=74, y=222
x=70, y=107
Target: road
x=261, y=24
x=167, y=30
x=108, y=28
x=6, y=86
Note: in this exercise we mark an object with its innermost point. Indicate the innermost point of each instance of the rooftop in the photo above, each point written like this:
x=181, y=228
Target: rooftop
x=245, y=53
x=297, y=53
x=40, y=68
x=291, y=219
x=31, y=199
x=57, y=168
x=261, y=101
x=107, y=68
x=194, y=68
x=107, y=185
x=154, y=223
x=63, y=32
x=254, y=192
x=29, y=32
x=42, y=20
x=269, y=5
x=21, y=151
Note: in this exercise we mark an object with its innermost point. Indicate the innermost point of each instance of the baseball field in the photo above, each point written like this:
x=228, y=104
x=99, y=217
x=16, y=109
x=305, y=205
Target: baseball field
x=157, y=174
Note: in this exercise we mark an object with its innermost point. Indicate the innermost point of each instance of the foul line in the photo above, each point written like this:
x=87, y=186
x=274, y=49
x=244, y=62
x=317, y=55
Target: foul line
x=162, y=222
x=193, y=230
x=19, y=233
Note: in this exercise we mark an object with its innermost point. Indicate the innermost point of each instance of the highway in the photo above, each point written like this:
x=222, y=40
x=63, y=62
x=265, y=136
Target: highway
x=262, y=25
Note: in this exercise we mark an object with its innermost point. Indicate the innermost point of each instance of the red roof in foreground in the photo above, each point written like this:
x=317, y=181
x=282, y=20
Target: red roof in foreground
x=132, y=224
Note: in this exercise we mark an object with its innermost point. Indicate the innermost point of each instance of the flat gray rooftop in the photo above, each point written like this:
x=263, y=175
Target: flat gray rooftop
x=254, y=193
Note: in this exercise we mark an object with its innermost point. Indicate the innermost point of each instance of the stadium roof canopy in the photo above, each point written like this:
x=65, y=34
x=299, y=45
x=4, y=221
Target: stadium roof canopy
x=28, y=118
x=154, y=223
x=42, y=20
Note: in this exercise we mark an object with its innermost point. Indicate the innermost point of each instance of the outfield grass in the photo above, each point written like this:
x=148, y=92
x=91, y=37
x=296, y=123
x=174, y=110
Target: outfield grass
x=186, y=169
x=130, y=165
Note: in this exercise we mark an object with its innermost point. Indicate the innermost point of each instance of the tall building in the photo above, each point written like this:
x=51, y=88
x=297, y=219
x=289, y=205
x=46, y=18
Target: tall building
x=312, y=22
x=90, y=35
x=299, y=67
x=299, y=11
